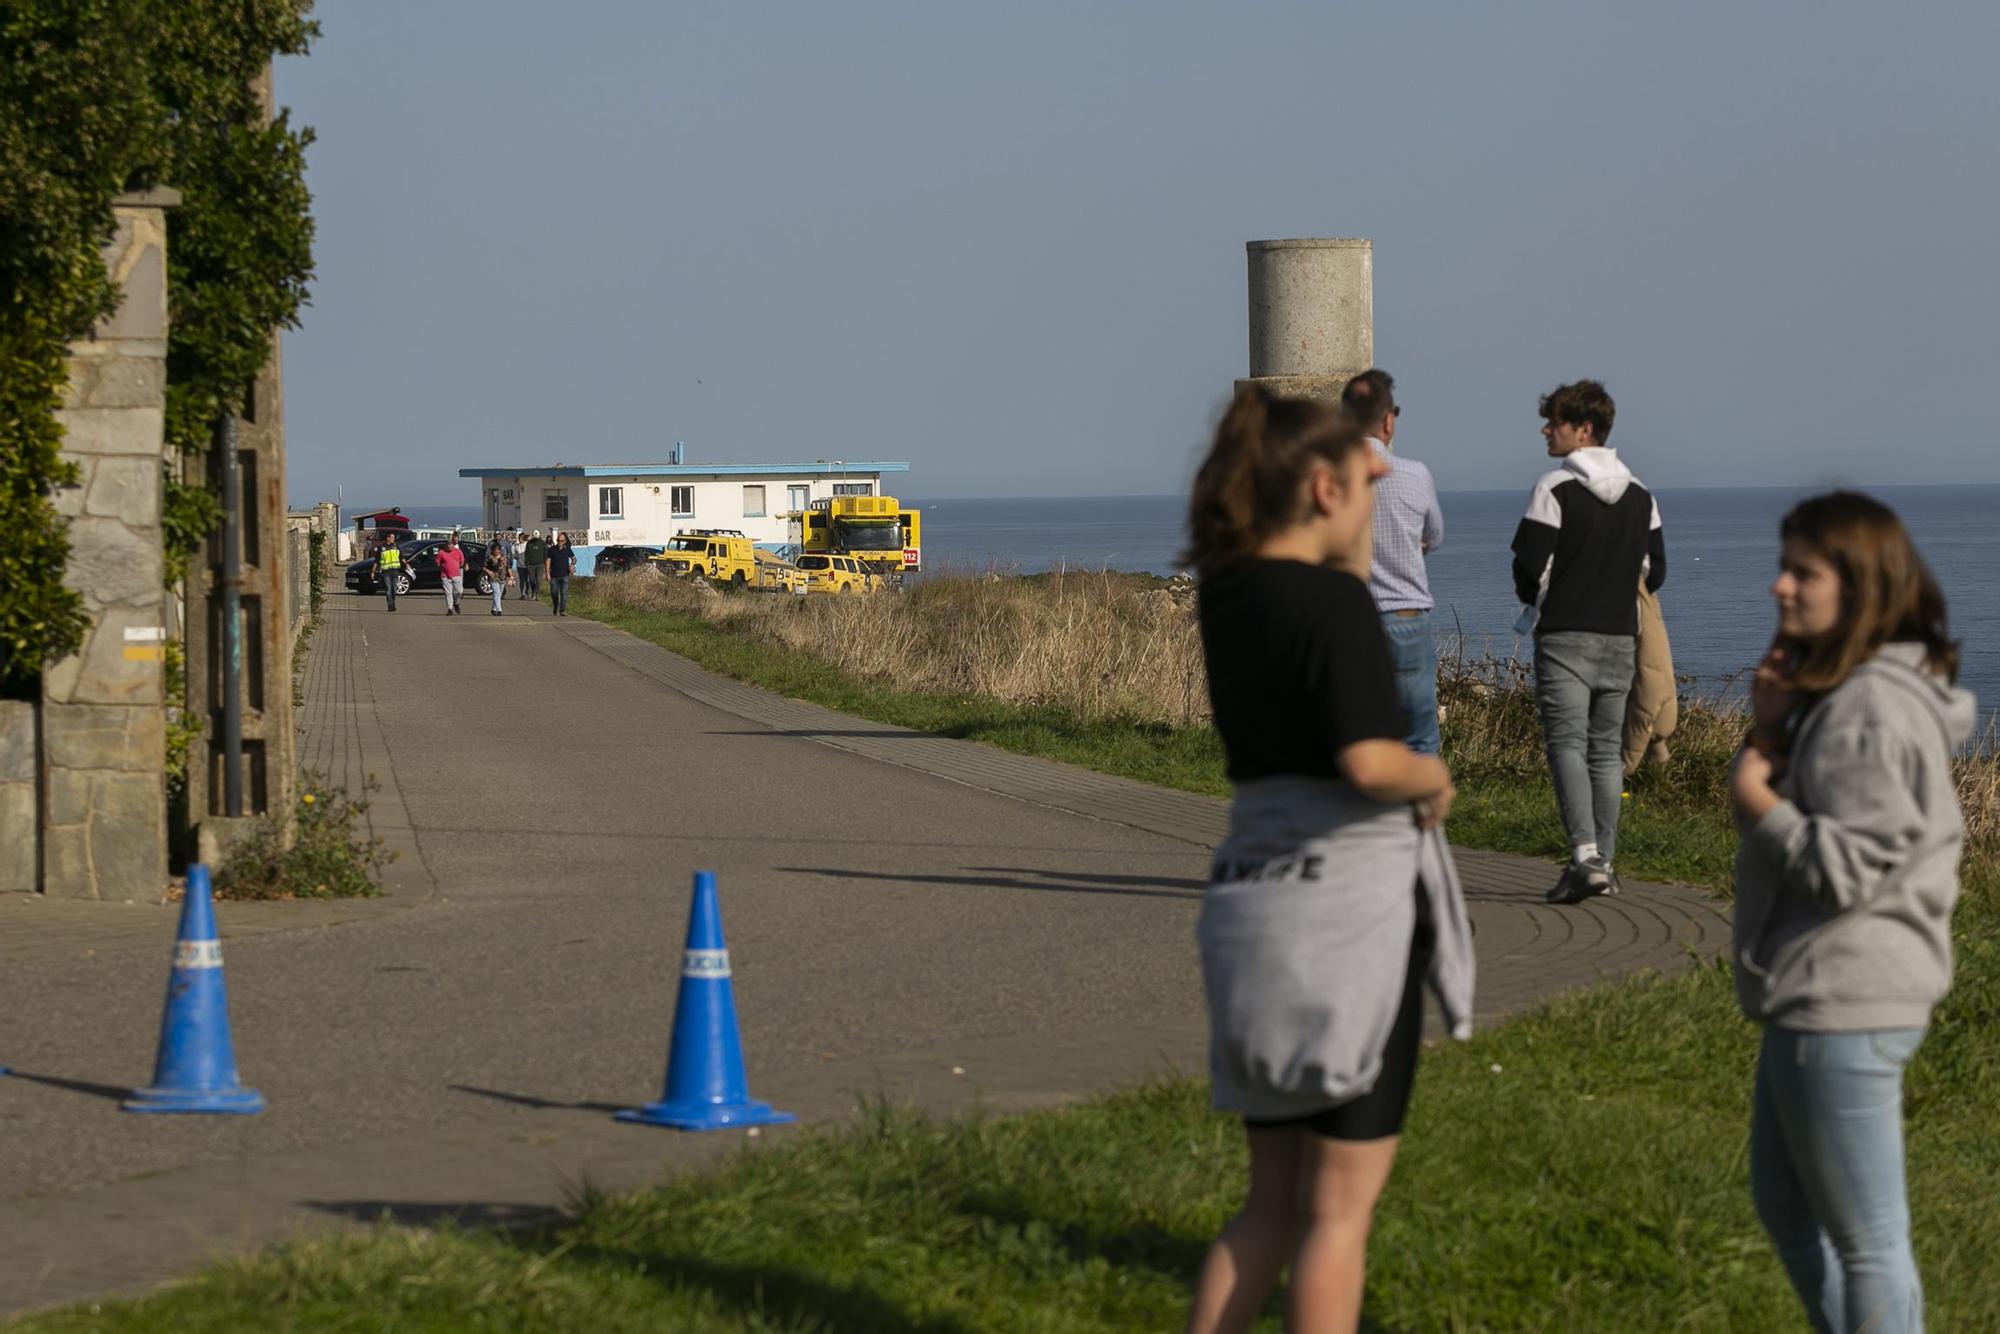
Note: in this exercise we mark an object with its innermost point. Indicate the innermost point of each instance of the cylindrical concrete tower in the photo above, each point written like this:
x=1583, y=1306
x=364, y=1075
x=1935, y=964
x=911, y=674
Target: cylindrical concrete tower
x=1312, y=315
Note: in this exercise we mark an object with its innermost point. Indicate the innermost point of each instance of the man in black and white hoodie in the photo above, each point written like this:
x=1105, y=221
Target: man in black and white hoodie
x=1590, y=534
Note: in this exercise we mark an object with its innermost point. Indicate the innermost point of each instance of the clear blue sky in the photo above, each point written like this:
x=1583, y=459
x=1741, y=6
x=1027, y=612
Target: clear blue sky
x=1005, y=241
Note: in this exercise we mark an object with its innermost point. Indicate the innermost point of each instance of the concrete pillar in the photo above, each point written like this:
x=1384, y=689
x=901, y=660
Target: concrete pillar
x=1312, y=315
x=103, y=738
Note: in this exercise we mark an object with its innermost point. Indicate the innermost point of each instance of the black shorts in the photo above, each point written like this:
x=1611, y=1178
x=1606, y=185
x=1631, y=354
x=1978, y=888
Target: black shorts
x=1378, y=1113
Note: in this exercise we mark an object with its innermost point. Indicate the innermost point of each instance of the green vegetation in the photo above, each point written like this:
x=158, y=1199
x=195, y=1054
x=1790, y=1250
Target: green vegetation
x=1580, y=1169
x=98, y=97
x=319, y=853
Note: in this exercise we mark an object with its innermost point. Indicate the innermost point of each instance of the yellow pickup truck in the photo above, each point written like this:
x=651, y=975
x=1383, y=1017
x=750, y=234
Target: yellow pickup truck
x=725, y=556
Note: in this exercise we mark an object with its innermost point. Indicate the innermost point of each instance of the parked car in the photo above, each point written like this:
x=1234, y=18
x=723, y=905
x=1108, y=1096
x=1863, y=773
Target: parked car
x=617, y=560
x=420, y=569
x=835, y=574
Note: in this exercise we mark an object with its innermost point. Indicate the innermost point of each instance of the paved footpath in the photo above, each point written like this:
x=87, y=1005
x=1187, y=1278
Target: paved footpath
x=929, y=919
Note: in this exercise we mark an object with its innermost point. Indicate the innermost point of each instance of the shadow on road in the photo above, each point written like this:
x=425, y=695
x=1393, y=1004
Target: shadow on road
x=115, y=1093
x=466, y=1214
x=1051, y=882
x=530, y=1100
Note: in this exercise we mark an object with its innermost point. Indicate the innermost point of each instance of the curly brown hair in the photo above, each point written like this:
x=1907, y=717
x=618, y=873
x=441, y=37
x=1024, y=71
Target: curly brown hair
x=1578, y=403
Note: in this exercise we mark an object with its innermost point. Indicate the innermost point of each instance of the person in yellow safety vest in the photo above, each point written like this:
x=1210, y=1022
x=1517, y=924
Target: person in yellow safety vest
x=388, y=568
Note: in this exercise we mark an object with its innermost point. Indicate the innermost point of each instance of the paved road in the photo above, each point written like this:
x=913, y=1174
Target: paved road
x=909, y=915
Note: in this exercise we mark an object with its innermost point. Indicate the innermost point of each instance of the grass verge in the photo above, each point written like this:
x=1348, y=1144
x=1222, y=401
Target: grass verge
x=1580, y=1169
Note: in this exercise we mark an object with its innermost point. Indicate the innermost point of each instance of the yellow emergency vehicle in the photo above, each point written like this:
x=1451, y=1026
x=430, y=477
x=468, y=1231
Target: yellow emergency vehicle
x=725, y=556
x=824, y=572
x=878, y=531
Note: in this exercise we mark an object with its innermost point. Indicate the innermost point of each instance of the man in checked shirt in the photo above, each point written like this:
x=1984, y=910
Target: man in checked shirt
x=1408, y=525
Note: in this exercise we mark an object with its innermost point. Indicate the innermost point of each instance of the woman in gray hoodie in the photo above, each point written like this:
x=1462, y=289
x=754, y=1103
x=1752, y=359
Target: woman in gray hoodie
x=1846, y=879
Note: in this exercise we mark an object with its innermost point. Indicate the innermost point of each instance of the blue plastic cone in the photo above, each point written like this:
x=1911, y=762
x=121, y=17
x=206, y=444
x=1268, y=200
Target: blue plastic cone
x=706, y=1087
x=196, y=1069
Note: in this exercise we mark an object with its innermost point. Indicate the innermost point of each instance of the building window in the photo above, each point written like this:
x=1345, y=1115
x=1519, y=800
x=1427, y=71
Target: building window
x=555, y=506
x=798, y=497
x=683, y=501
x=610, y=502
x=753, y=502
x=854, y=488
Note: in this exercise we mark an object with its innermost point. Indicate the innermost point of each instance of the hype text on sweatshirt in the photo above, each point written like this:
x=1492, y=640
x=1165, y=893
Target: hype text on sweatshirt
x=1590, y=532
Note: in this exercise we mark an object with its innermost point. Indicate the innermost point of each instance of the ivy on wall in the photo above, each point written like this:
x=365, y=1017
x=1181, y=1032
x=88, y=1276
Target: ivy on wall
x=98, y=97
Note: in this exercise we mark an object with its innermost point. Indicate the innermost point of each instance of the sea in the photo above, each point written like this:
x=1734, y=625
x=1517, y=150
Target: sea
x=1722, y=552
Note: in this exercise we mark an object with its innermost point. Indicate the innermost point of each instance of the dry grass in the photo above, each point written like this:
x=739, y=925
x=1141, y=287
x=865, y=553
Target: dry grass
x=1104, y=646
x=1097, y=646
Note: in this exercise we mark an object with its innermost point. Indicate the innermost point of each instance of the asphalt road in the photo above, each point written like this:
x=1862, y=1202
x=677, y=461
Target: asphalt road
x=876, y=916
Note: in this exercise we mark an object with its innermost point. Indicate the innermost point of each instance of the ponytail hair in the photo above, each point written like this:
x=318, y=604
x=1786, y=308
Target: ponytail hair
x=1248, y=486
x=1887, y=594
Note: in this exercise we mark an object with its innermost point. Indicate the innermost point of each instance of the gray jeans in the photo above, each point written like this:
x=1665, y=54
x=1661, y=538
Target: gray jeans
x=1581, y=683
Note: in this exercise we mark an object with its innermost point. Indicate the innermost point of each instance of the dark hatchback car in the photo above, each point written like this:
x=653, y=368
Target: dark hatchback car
x=420, y=569
x=617, y=560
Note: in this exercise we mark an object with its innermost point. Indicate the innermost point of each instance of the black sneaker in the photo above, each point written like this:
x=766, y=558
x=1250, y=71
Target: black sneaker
x=1579, y=881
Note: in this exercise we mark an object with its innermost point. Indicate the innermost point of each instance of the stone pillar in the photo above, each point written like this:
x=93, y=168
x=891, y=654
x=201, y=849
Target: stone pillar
x=103, y=739
x=20, y=803
x=1312, y=315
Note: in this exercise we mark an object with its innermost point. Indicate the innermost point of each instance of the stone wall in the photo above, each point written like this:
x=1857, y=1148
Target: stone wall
x=103, y=819
x=20, y=811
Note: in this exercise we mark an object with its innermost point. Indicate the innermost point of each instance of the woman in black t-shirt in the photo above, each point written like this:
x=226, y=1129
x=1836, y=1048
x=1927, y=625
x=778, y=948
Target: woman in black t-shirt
x=1316, y=929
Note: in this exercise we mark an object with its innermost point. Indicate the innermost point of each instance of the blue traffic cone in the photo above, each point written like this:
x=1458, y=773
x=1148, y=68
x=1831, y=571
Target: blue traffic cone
x=196, y=1069
x=706, y=1087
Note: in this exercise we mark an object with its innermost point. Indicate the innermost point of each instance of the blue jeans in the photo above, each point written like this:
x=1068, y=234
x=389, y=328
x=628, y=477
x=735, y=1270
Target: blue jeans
x=1414, y=654
x=1826, y=1170
x=1581, y=683
x=559, y=594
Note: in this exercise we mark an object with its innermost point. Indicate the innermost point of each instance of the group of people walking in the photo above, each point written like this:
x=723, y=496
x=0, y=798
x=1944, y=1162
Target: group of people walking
x=1333, y=902
x=509, y=560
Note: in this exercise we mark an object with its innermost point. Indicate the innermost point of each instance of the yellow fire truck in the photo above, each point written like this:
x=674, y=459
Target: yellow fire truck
x=875, y=530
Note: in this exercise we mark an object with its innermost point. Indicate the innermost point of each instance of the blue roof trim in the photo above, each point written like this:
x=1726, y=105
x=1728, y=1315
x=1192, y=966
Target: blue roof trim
x=691, y=470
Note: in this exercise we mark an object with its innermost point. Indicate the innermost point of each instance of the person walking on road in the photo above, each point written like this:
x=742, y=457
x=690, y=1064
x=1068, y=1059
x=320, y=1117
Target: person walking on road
x=1845, y=882
x=511, y=545
x=1333, y=898
x=389, y=569
x=1591, y=533
x=561, y=563
x=451, y=575
x=534, y=556
x=1408, y=526
x=496, y=568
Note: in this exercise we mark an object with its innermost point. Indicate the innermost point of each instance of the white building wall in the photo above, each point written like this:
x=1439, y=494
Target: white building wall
x=649, y=516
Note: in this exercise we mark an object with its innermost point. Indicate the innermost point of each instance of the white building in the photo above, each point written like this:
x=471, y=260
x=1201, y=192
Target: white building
x=645, y=504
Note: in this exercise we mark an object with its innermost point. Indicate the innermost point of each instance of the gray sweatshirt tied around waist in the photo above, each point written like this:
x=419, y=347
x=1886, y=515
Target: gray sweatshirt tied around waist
x=1305, y=937
x=1844, y=892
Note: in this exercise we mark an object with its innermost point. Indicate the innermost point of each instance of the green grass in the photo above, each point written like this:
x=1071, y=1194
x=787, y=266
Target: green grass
x=1582, y=1168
